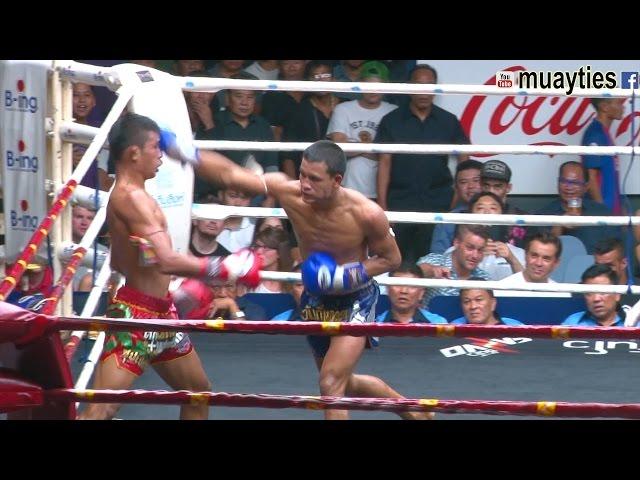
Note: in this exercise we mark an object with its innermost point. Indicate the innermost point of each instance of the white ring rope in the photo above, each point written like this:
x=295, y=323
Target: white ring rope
x=204, y=211
x=450, y=149
x=204, y=84
x=483, y=285
x=80, y=72
x=83, y=134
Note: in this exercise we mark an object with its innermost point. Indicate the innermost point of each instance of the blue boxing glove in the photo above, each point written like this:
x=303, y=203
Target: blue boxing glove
x=182, y=149
x=321, y=274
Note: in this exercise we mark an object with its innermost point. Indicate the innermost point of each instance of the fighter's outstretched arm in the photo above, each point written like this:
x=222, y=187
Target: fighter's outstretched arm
x=146, y=228
x=217, y=168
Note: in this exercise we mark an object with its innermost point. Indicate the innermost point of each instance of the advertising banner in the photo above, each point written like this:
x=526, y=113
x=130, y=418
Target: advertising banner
x=23, y=147
x=536, y=120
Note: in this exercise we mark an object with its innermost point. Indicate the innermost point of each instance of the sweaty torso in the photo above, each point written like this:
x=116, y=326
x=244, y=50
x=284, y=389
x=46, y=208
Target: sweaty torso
x=339, y=231
x=125, y=256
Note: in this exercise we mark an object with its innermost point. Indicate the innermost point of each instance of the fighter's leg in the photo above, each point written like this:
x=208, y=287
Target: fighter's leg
x=337, y=367
x=368, y=386
x=110, y=377
x=374, y=387
x=186, y=373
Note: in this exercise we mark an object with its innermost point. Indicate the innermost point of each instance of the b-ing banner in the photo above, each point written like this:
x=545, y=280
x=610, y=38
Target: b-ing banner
x=23, y=147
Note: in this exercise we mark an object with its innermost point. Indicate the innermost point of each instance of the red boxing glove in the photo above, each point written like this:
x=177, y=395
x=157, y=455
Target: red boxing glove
x=193, y=299
x=242, y=266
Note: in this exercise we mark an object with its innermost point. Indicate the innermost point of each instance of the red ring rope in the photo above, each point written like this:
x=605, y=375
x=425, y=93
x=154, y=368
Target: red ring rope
x=223, y=399
x=337, y=328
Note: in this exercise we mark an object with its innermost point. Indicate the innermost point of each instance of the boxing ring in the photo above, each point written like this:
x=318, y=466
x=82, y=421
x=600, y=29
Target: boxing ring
x=416, y=366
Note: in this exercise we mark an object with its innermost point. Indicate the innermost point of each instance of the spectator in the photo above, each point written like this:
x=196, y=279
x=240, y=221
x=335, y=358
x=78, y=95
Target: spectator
x=239, y=122
x=264, y=69
x=185, y=68
x=272, y=246
x=410, y=182
x=500, y=259
x=610, y=252
x=357, y=121
x=400, y=72
x=204, y=235
x=603, y=309
x=199, y=107
x=196, y=300
x=310, y=121
x=266, y=222
x=467, y=183
x=227, y=305
x=225, y=69
x=295, y=289
x=406, y=301
x=84, y=101
x=480, y=307
x=278, y=107
x=36, y=279
x=461, y=263
x=348, y=71
x=542, y=257
x=81, y=218
x=604, y=170
x=572, y=184
x=496, y=178
x=238, y=231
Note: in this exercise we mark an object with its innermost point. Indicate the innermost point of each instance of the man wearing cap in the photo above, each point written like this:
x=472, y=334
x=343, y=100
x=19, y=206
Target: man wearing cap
x=417, y=182
x=495, y=177
x=357, y=122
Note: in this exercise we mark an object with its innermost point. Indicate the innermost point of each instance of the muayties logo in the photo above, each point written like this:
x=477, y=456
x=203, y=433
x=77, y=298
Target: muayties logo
x=630, y=80
x=506, y=79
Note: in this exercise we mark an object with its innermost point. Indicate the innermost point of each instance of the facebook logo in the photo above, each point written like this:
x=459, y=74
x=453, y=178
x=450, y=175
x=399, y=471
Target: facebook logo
x=630, y=80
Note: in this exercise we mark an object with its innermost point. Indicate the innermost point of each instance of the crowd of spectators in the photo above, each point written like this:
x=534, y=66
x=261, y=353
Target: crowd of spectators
x=397, y=182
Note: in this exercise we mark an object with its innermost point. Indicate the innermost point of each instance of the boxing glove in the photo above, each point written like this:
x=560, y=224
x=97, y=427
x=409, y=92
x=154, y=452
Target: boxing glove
x=193, y=299
x=182, y=149
x=322, y=274
x=242, y=266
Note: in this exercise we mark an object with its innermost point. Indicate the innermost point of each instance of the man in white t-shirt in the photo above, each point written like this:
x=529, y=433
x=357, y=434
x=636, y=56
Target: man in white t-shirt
x=357, y=121
x=542, y=257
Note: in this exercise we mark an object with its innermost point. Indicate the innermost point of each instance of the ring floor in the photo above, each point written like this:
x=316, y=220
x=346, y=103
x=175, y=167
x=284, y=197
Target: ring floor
x=446, y=368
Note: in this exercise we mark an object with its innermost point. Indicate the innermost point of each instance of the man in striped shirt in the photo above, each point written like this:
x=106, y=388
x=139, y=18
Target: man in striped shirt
x=461, y=263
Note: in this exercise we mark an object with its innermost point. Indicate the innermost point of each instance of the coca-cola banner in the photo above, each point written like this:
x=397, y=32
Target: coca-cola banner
x=23, y=147
x=511, y=120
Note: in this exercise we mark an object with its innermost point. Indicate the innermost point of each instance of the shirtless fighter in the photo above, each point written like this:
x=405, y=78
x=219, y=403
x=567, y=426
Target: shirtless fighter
x=142, y=252
x=345, y=240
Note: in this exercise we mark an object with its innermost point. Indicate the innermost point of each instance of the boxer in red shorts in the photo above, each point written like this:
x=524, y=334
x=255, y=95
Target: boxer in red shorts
x=133, y=351
x=141, y=251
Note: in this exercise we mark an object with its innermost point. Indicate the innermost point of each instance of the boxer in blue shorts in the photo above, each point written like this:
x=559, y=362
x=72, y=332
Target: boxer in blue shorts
x=345, y=241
